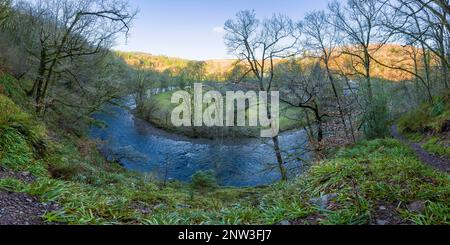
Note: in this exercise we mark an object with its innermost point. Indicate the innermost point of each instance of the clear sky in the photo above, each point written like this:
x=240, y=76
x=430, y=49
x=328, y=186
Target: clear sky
x=193, y=29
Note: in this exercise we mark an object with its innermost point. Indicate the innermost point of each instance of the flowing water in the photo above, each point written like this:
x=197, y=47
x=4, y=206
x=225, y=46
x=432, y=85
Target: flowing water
x=139, y=146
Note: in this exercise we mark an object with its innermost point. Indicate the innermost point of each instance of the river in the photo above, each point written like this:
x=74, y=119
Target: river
x=139, y=146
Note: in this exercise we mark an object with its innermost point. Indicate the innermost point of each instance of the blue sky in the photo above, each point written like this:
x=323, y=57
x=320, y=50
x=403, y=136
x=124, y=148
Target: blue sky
x=191, y=29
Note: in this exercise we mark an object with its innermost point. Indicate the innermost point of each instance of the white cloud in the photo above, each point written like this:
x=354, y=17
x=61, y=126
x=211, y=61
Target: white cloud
x=218, y=29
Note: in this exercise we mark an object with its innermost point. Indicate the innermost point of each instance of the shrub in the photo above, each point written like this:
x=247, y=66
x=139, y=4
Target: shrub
x=12, y=117
x=427, y=118
x=434, y=145
x=204, y=181
x=376, y=119
x=14, y=150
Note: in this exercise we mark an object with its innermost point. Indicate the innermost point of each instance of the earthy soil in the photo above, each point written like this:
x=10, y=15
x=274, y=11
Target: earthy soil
x=25, y=177
x=440, y=163
x=21, y=208
x=310, y=220
x=386, y=214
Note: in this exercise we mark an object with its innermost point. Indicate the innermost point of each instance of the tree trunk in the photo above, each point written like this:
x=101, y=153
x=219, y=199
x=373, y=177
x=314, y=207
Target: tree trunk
x=40, y=108
x=338, y=100
x=319, y=124
x=445, y=75
x=275, y=140
x=283, y=171
x=368, y=79
x=38, y=83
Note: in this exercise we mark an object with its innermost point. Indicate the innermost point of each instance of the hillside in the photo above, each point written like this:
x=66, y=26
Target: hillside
x=160, y=63
x=391, y=55
x=375, y=182
x=429, y=127
x=89, y=135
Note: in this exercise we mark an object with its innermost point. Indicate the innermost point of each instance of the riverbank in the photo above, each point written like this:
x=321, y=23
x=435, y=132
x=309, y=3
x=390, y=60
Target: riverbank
x=376, y=182
x=158, y=110
x=141, y=147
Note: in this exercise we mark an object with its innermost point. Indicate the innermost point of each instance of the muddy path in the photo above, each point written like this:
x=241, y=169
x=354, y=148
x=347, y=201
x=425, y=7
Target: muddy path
x=21, y=208
x=440, y=163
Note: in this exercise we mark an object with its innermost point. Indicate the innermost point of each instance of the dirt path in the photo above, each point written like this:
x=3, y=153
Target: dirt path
x=440, y=163
x=21, y=208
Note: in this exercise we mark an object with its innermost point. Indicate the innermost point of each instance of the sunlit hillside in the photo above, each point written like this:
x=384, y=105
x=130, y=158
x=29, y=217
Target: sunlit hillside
x=312, y=121
x=384, y=60
x=389, y=56
x=216, y=68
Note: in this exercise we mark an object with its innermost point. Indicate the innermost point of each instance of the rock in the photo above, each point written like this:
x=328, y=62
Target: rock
x=26, y=174
x=284, y=222
x=159, y=206
x=324, y=200
x=382, y=222
x=183, y=206
x=417, y=207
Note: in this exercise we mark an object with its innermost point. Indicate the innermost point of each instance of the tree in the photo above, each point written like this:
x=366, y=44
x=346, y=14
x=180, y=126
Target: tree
x=306, y=88
x=86, y=87
x=322, y=41
x=141, y=86
x=422, y=27
x=5, y=7
x=359, y=21
x=238, y=73
x=259, y=44
x=66, y=30
x=406, y=25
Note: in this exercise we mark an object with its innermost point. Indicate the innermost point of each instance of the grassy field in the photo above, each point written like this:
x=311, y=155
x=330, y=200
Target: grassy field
x=161, y=118
x=357, y=184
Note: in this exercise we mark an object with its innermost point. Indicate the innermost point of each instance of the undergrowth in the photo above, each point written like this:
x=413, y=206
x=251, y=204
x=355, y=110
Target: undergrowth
x=93, y=191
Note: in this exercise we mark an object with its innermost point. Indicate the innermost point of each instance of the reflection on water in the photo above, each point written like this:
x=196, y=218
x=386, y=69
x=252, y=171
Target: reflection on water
x=139, y=146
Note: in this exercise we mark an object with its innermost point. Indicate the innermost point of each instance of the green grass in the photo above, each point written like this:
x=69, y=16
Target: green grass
x=427, y=118
x=161, y=117
x=93, y=191
x=425, y=125
x=437, y=146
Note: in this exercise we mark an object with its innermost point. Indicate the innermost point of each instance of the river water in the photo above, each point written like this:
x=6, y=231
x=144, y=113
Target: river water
x=138, y=146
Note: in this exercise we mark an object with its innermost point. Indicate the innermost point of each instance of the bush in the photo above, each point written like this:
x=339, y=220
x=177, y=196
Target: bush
x=204, y=181
x=13, y=118
x=15, y=153
x=427, y=118
x=434, y=146
x=376, y=119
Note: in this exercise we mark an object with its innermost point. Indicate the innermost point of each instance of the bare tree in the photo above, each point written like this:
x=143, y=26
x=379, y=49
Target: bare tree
x=359, y=21
x=5, y=7
x=437, y=14
x=422, y=28
x=321, y=40
x=406, y=26
x=259, y=44
x=141, y=86
x=307, y=88
x=67, y=29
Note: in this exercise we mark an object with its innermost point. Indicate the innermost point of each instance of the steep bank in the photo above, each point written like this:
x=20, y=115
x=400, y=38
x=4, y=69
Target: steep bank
x=376, y=182
x=441, y=163
x=141, y=147
x=427, y=131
